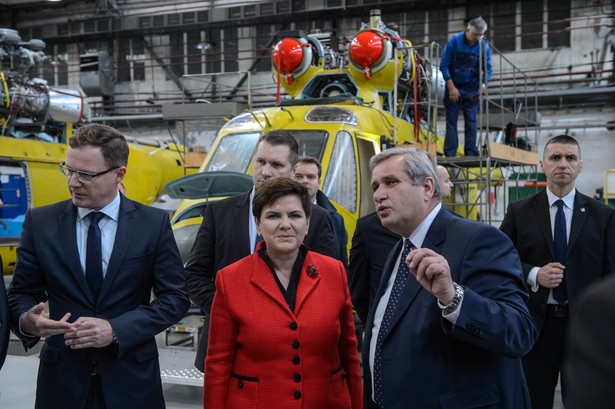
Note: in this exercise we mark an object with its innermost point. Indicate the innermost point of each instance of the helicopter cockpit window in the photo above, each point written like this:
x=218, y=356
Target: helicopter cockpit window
x=329, y=114
x=234, y=153
x=311, y=143
x=340, y=182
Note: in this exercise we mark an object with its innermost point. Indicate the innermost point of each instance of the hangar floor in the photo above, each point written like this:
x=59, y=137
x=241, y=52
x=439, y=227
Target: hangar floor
x=18, y=384
x=18, y=380
x=182, y=384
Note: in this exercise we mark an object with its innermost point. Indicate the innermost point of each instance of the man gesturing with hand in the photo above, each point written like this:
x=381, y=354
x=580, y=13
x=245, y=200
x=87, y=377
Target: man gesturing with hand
x=449, y=322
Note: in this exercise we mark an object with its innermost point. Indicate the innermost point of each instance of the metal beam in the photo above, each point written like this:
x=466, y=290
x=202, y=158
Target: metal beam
x=165, y=68
x=265, y=52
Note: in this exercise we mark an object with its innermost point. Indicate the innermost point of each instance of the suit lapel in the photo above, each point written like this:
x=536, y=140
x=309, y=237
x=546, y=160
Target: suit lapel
x=67, y=226
x=434, y=237
x=386, y=274
x=241, y=214
x=437, y=231
x=411, y=290
x=306, y=285
x=262, y=278
x=126, y=226
x=543, y=219
x=579, y=215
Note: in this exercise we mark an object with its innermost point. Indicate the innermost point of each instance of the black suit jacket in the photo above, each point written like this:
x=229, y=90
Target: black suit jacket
x=224, y=238
x=591, y=244
x=590, y=364
x=337, y=223
x=371, y=245
x=144, y=259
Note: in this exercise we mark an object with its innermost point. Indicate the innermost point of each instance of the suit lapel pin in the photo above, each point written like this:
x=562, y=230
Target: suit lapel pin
x=582, y=210
x=312, y=271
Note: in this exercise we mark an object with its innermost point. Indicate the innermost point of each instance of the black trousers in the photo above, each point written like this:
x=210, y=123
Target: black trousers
x=543, y=364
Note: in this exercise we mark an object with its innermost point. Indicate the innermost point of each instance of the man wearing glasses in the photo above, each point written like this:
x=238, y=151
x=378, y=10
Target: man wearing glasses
x=96, y=259
x=465, y=80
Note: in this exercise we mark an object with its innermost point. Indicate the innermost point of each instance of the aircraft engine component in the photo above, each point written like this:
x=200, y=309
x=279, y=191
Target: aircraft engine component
x=29, y=99
x=29, y=102
x=437, y=85
x=370, y=50
x=33, y=101
x=292, y=57
x=66, y=105
x=308, y=66
x=9, y=36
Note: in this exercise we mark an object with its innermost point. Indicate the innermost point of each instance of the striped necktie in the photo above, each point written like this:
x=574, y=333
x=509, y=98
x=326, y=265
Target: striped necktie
x=398, y=287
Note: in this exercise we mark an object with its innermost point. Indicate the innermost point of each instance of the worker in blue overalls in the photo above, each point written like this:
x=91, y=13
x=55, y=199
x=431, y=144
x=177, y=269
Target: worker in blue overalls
x=465, y=81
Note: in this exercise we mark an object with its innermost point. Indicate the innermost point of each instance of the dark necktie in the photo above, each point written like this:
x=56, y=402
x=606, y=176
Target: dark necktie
x=93, y=254
x=560, y=245
x=398, y=287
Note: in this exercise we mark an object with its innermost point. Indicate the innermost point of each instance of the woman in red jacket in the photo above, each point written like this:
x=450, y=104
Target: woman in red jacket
x=282, y=332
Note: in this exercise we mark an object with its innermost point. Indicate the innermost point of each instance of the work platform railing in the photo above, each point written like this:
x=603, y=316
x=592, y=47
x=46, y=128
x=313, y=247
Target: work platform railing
x=507, y=133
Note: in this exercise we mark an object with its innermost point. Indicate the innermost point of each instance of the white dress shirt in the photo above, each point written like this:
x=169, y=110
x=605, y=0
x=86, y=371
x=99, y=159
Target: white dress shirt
x=108, y=229
x=417, y=238
x=568, y=209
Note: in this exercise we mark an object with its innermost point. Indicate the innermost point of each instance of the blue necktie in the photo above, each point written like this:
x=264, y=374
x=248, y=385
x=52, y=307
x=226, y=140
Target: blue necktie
x=560, y=245
x=398, y=287
x=93, y=254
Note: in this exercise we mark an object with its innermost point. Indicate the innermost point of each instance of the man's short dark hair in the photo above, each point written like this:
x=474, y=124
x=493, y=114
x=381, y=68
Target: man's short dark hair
x=310, y=160
x=564, y=140
x=281, y=137
x=111, y=142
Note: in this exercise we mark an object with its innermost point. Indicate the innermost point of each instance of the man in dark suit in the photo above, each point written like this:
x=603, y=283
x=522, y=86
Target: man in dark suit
x=449, y=323
x=555, y=281
x=228, y=232
x=4, y=316
x=308, y=172
x=371, y=245
x=590, y=367
x=96, y=259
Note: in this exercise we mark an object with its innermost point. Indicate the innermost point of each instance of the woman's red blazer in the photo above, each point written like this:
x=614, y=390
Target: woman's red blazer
x=262, y=355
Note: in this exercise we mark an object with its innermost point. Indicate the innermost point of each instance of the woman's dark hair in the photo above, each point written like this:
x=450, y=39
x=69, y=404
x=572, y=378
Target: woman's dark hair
x=271, y=190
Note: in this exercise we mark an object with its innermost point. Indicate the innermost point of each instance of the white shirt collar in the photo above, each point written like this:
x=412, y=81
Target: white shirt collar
x=418, y=235
x=112, y=210
x=568, y=199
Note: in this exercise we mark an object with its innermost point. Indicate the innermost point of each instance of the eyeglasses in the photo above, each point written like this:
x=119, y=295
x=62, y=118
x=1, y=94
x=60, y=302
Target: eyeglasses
x=84, y=177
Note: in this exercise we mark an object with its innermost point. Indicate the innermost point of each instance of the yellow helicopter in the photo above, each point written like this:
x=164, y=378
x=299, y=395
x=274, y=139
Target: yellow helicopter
x=340, y=113
x=35, y=123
